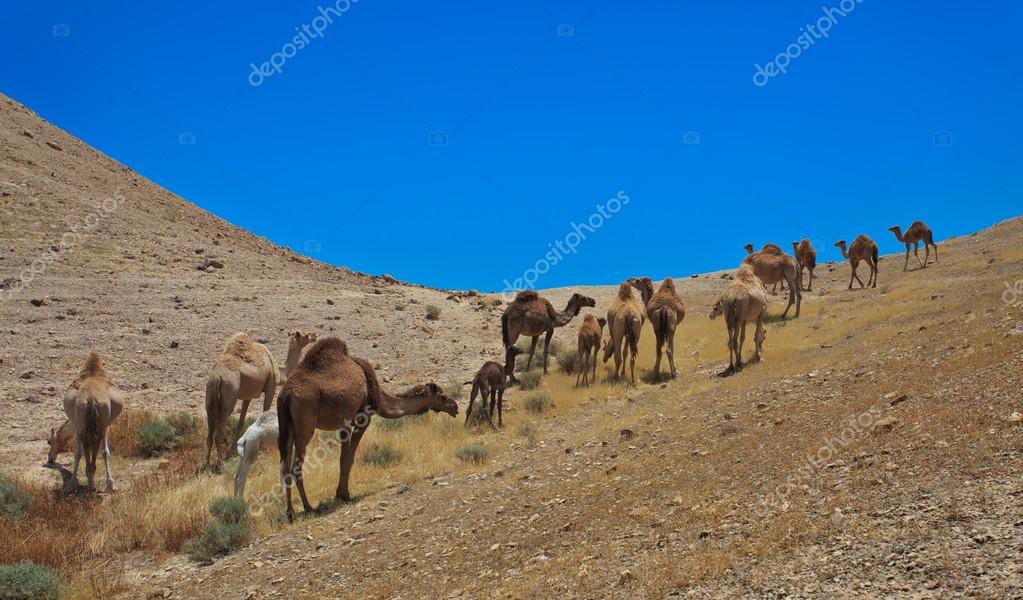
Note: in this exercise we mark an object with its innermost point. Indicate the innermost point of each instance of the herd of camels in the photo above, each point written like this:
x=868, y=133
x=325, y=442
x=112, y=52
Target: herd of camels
x=324, y=387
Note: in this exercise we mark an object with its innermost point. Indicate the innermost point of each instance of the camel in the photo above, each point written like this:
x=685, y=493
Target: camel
x=590, y=333
x=92, y=402
x=530, y=315
x=625, y=319
x=261, y=435
x=745, y=300
x=297, y=342
x=863, y=249
x=772, y=265
x=59, y=442
x=772, y=249
x=244, y=371
x=806, y=258
x=490, y=382
x=665, y=310
x=330, y=390
x=917, y=232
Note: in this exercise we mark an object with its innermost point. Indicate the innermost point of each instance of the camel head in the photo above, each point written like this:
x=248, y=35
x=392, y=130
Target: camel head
x=578, y=301
x=840, y=244
x=301, y=339
x=608, y=348
x=748, y=248
x=718, y=309
x=644, y=285
x=59, y=442
x=602, y=322
x=897, y=231
x=438, y=401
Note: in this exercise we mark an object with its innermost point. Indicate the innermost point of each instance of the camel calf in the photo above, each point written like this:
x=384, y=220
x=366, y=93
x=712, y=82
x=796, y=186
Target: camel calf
x=490, y=381
x=806, y=258
x=91, y=404
x=590, y=333
x=59, y=442
x=744, y=300
x=261, y=435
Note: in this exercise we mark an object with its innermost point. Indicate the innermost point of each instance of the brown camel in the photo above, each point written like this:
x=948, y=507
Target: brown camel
x=771, y=266
x=917, y=232
x=665, y=310
x=531, y=315
x=744, y=300
x=333, y=390
x=91, y=403
x=806, y=258
x=59, y=442
x=590, y=333
x=490, y=381
x=863, y=249
x=771, y=249
x=297, y=342
x=245, y=370
x=625, y=323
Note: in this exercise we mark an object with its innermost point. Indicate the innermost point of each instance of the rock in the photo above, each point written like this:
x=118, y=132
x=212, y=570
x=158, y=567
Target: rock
x=899, y=399
x=625, y=577
x=403, y=487
x=26, y=375
x=731, y=428
x=173, y=344
x=1015, y=417
x=884, y=425
x=37, y=302
x=330, y=302
x=627, y=434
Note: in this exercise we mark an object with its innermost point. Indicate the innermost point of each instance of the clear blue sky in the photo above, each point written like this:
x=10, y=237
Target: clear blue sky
x=540, y=128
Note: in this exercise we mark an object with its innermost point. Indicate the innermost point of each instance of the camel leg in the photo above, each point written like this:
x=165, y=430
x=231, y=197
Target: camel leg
x=916, y=253
x=109, y=487
x=489, y=410
x=905, y=266
x=579, y=362
x=618, y=356
x=241, y=419
x=935, y=251
x=927, y=253
x=873, y=272
x=212, y=413
x=758, y=337
x=593, y=378
x=472, y=400
x=78, y=457
x=532, y=350
x=510, y=359
x=733, y=332
x=633, y=351
x=671, y=355
x=809, y=286
x=792, y=300
x=659, y=337
x=268, y=397
x=347, y=459
x=500, y=407
x=90, y=465
x=249, y=454
x=286, y=469
x=300, y=446
x=546, y=348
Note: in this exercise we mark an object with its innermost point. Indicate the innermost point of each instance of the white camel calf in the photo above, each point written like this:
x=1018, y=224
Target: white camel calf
x=260, y=435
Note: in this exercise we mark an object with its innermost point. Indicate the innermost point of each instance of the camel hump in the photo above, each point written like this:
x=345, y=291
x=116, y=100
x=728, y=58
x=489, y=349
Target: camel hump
x=668, y=284
x=245, y=348
x=625, y=291
x=526, y=296
x=324, y=352
x=93, y=365
x=588, y=318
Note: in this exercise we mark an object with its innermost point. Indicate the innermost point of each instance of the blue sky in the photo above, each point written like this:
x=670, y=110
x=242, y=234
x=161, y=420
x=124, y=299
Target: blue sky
x=451, y=143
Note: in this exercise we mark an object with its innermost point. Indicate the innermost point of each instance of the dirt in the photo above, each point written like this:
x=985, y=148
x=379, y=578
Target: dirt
x=874, y=453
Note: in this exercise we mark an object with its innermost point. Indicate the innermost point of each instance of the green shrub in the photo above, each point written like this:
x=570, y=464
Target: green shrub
x=528, y=431
x=475, y=453
x=537, y=403
x=13, y=502
x=156, y=436
x=530, y=380
x=228, y=530
x=28, y=581
x=568, y=361
x=185, y=424
x=381, y=455
x=432, y=312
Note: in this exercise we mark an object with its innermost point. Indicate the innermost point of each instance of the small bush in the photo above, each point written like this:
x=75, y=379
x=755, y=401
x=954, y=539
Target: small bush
x=432, y=312
x=555, y=349
x=185, y=424
x=227, y=531
x=528, y=431
x=568, y=361
x=381, y=455
x=396, y=424
x=155, y=437
x=530, y=380
x=475, y=453
x=28, y=581
x=537, y=403
x=453, y=390
x=13, y=502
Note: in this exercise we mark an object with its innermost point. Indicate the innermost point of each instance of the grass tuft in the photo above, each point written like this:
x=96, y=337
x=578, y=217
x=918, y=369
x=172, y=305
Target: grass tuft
x=227, y=531
x=530, y=380
x=432, y=312
x=475, y=453
x=568, y=361
x=537, y=403
x=381, y=455
x=13, y=502
x=28, y=581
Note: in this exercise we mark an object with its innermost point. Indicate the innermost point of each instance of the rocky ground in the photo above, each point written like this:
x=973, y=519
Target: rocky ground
x=874, y=453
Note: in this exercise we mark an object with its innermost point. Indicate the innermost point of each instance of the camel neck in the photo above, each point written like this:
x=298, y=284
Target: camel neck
x=294, y=356
x=394, y=407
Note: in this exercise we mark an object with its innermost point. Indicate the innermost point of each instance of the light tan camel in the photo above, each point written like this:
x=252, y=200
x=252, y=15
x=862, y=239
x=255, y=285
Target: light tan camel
x=332, y=390
x=770, y=249
x=590, y=332
x=297, y=342
x=531, y=315
x=917, y=232
x=91, y=403
x=490, y=381
x=244, y=371
x=665, y=310
x=625, y=323
x=745, y=300
x=771, y=266
x=806, y=258
x=863, y=249
x=59, y=442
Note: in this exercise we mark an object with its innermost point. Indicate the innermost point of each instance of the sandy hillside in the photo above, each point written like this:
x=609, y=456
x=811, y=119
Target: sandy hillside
x=875, y=452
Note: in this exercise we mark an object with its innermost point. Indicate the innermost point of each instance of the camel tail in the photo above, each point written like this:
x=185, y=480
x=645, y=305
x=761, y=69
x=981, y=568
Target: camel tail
x=91, y=431
x=504, y=329
x=214, y=398
x=632, y=332
x=285, y=427
x=663, y=318
x=874, y=253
